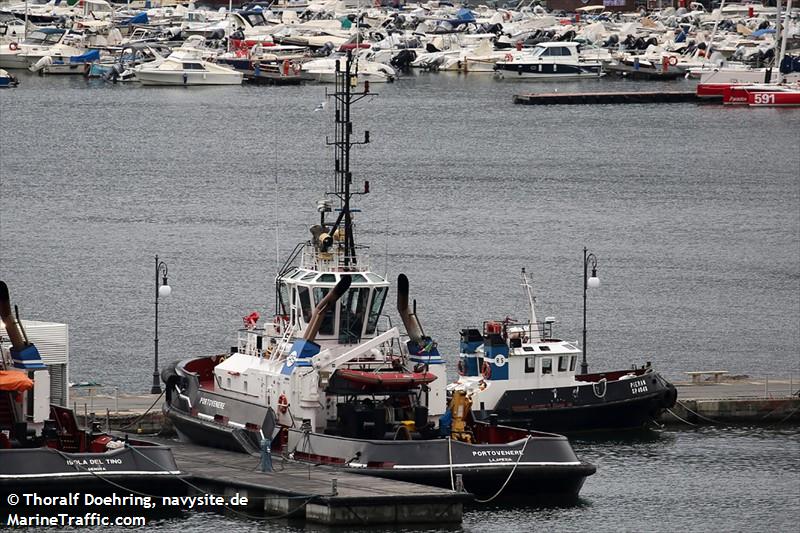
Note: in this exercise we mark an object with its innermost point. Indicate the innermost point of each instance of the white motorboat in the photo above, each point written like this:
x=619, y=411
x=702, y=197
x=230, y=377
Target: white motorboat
x=553, y=60
x=185, y=66
x=324, y=70
x=15, y=54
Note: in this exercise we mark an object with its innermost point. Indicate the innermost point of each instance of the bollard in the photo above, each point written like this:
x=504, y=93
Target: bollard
x=266, y=456
x=108, y=419
x=459, y=483
x=334, y=487
x=766, y=386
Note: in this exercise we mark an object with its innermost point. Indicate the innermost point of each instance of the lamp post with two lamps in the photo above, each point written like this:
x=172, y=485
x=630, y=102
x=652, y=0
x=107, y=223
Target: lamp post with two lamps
x=161, y=290
x=588, y=282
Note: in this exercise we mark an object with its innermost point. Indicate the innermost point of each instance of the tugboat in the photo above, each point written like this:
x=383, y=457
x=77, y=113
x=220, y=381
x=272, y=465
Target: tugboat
x=43, y=449
x=327, y=381
x=528, y=380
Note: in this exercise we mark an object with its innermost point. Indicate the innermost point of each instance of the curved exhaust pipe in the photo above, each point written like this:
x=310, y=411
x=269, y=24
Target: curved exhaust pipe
x=13, y=327
x=412, y=325
x=319, y=311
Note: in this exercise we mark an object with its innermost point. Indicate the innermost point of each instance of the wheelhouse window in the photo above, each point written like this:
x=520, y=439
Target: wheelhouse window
x=530, y=365
x=378, y=299
x=305, y=303
x=572, y=363
x=563, y=363
x=283, y=299
x=547, y=365
x=352, y=310
x=328, y=320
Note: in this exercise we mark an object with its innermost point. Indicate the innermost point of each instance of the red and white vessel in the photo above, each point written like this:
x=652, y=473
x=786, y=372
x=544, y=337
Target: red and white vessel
x=762, y=95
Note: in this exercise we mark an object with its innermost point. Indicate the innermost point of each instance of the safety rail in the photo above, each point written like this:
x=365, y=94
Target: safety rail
x=334, y=261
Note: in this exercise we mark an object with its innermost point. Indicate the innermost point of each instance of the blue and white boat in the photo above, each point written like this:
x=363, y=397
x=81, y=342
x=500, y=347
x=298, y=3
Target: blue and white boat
x=549, y=61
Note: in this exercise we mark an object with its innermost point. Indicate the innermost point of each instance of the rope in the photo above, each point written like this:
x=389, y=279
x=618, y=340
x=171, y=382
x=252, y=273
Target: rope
x=450, y=460
x=697, y=414
x=670, y=411
x=145, y=413
x=521, y=453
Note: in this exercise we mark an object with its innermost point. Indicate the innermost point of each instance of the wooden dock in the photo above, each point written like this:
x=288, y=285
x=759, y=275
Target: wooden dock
x=632, y=97
x=318, y=494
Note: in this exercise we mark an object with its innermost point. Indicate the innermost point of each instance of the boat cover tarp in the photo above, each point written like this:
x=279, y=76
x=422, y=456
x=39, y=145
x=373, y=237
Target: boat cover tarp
x=11, y=380
x=139, y=18
x=88, y=57
x=759, y=33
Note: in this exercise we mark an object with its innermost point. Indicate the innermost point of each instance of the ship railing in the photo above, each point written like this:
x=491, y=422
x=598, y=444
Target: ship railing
x=523, y=330
x=335, y=261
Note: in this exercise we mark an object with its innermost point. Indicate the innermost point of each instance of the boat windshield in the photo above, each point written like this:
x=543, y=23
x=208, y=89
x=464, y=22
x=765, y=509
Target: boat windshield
x=551, y=51
x=39, y=37
x=255, y=19
x=353, y=308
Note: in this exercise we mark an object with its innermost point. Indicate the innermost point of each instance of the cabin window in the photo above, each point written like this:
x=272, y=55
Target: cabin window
x=544, y=348
x=530, y=365
x=245, y=386
x=563, y=362
x=305, y=303
x=547, y=365
x=328, y=320
x=378, y=299
x=193, y=66
x=327, y=278
x=352, y=310
x=283, y=299
x=528, y=348
x=572, y=363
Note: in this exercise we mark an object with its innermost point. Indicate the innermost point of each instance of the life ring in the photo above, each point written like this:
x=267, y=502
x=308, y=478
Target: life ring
x=460, y=368
x=296, y=68
x=283, y=404
x=506, y=16
x=508, y=57
x=673, y=60
x=13, y=46
x=276, y=322
x=486, y=370
x=285, y=67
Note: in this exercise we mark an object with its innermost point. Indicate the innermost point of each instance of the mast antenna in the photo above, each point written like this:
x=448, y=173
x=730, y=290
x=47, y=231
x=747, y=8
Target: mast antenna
x=344, y=96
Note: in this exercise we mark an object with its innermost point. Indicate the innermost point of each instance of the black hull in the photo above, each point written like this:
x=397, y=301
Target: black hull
x=192, y=429
x=597, y=406
x=553, y=483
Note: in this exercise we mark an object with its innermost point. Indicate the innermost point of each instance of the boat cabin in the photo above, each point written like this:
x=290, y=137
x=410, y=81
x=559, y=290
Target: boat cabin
x=518, y=353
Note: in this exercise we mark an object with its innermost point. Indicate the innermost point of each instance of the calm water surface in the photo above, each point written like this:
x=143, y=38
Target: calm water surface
x=693, y=212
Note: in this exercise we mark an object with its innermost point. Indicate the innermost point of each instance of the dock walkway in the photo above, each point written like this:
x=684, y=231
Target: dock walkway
x=317, y=493
x=629, y=97
x=731, y=401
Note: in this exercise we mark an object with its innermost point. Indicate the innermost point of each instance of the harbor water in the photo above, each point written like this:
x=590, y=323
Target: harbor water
x=693, y=212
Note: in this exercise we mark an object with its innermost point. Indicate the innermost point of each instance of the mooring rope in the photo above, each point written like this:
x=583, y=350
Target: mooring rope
x=670, y=411
x=143, y=414
x=521, y=453
x=697, y=414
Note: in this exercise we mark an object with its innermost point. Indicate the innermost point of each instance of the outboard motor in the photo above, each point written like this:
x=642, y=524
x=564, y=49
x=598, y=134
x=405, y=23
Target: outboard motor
x=402, y=61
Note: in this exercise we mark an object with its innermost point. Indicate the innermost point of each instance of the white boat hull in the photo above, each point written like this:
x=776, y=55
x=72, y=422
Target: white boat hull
x=161, y=77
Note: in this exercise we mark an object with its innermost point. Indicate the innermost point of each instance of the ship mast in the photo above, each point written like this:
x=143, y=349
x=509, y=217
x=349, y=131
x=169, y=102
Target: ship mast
x=344, y=96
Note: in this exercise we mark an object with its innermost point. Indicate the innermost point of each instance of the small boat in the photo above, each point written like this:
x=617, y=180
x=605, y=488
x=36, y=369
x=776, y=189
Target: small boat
x=43, y=449
x=548, y=61
x=326, y=381
x=7, y=80
x=186, y=66
x=324, y=70
x=530, y=381
x=80, y=64
x=762, y=95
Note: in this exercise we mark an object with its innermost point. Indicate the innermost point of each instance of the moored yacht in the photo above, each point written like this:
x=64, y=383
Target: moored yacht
x=186, y=66
x=552, y=60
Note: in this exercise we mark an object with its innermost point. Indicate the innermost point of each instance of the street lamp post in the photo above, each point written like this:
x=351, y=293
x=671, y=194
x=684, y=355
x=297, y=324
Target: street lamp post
x=588, y=282
x=161, y=290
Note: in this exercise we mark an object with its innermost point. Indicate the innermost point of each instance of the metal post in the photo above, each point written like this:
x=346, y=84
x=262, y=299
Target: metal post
x=584, y=365
x=587, y=258
x=161, y=268
x=156, y=388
